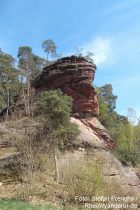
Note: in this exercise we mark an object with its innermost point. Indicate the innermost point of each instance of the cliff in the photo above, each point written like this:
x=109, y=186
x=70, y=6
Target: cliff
x=73, y=76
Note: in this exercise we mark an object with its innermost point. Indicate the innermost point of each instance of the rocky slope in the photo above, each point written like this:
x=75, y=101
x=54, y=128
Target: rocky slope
x=123, y=178
x=74, y=76
x=120, y=179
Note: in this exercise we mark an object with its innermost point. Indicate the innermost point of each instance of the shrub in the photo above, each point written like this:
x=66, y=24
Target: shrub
x=127, y=149
x=127, y=155
x=82, y=178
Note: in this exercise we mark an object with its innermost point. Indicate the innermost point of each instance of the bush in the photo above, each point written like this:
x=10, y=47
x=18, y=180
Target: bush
x=126, y=148
x=127, y=155
x=82, y=178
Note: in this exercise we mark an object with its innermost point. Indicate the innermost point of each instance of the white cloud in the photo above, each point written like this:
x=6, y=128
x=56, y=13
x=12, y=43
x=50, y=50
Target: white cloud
x=101, y=47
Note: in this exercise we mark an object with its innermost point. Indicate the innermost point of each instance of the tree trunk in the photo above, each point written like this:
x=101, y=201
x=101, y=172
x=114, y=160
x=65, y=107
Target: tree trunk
x=28, y=90
x=56, y=178
x=25, y=103
x=8, y=104
x=28, y=95
x=47, y=55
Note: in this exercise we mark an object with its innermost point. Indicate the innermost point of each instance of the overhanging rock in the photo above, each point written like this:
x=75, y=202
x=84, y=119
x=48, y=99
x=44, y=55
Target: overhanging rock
x=73, y=76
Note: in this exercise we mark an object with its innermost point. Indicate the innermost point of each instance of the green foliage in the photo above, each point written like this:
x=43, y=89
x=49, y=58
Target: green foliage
x=8, y=79
x=49, y=47
x=29, y=63
x=107, y=102
x=56, y=106
x=82, y=177
x=89, y=55
x=108, y=116
x=106, y=95
x=30, y=66
x=126, y=135
x=39, y=63
x=126, y=149
x=13, y=79
x=126, y=155
x=54, y=109
x=104, y=113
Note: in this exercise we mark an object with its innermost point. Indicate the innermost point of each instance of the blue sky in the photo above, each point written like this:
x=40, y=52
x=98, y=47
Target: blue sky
x=108, y=28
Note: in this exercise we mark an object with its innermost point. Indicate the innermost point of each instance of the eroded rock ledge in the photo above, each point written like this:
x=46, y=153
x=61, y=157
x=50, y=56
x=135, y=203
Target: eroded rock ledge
x=73, y=76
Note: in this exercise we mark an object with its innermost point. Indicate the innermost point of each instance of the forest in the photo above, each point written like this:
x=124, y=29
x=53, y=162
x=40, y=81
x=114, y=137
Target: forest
x=45, y=119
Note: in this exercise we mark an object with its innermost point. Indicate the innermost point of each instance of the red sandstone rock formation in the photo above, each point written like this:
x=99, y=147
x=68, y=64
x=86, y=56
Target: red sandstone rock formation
x=73, y=76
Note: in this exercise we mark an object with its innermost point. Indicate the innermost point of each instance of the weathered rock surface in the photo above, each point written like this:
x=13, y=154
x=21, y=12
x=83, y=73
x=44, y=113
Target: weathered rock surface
x=93, y=134
x=115, y=172
x=73, y=76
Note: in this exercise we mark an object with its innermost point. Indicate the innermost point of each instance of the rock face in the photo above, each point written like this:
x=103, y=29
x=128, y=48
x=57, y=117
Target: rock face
x=73, y=76
x=93, y=134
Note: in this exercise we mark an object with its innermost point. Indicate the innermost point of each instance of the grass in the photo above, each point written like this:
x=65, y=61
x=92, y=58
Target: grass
x=21, y=205
x=81, y=178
